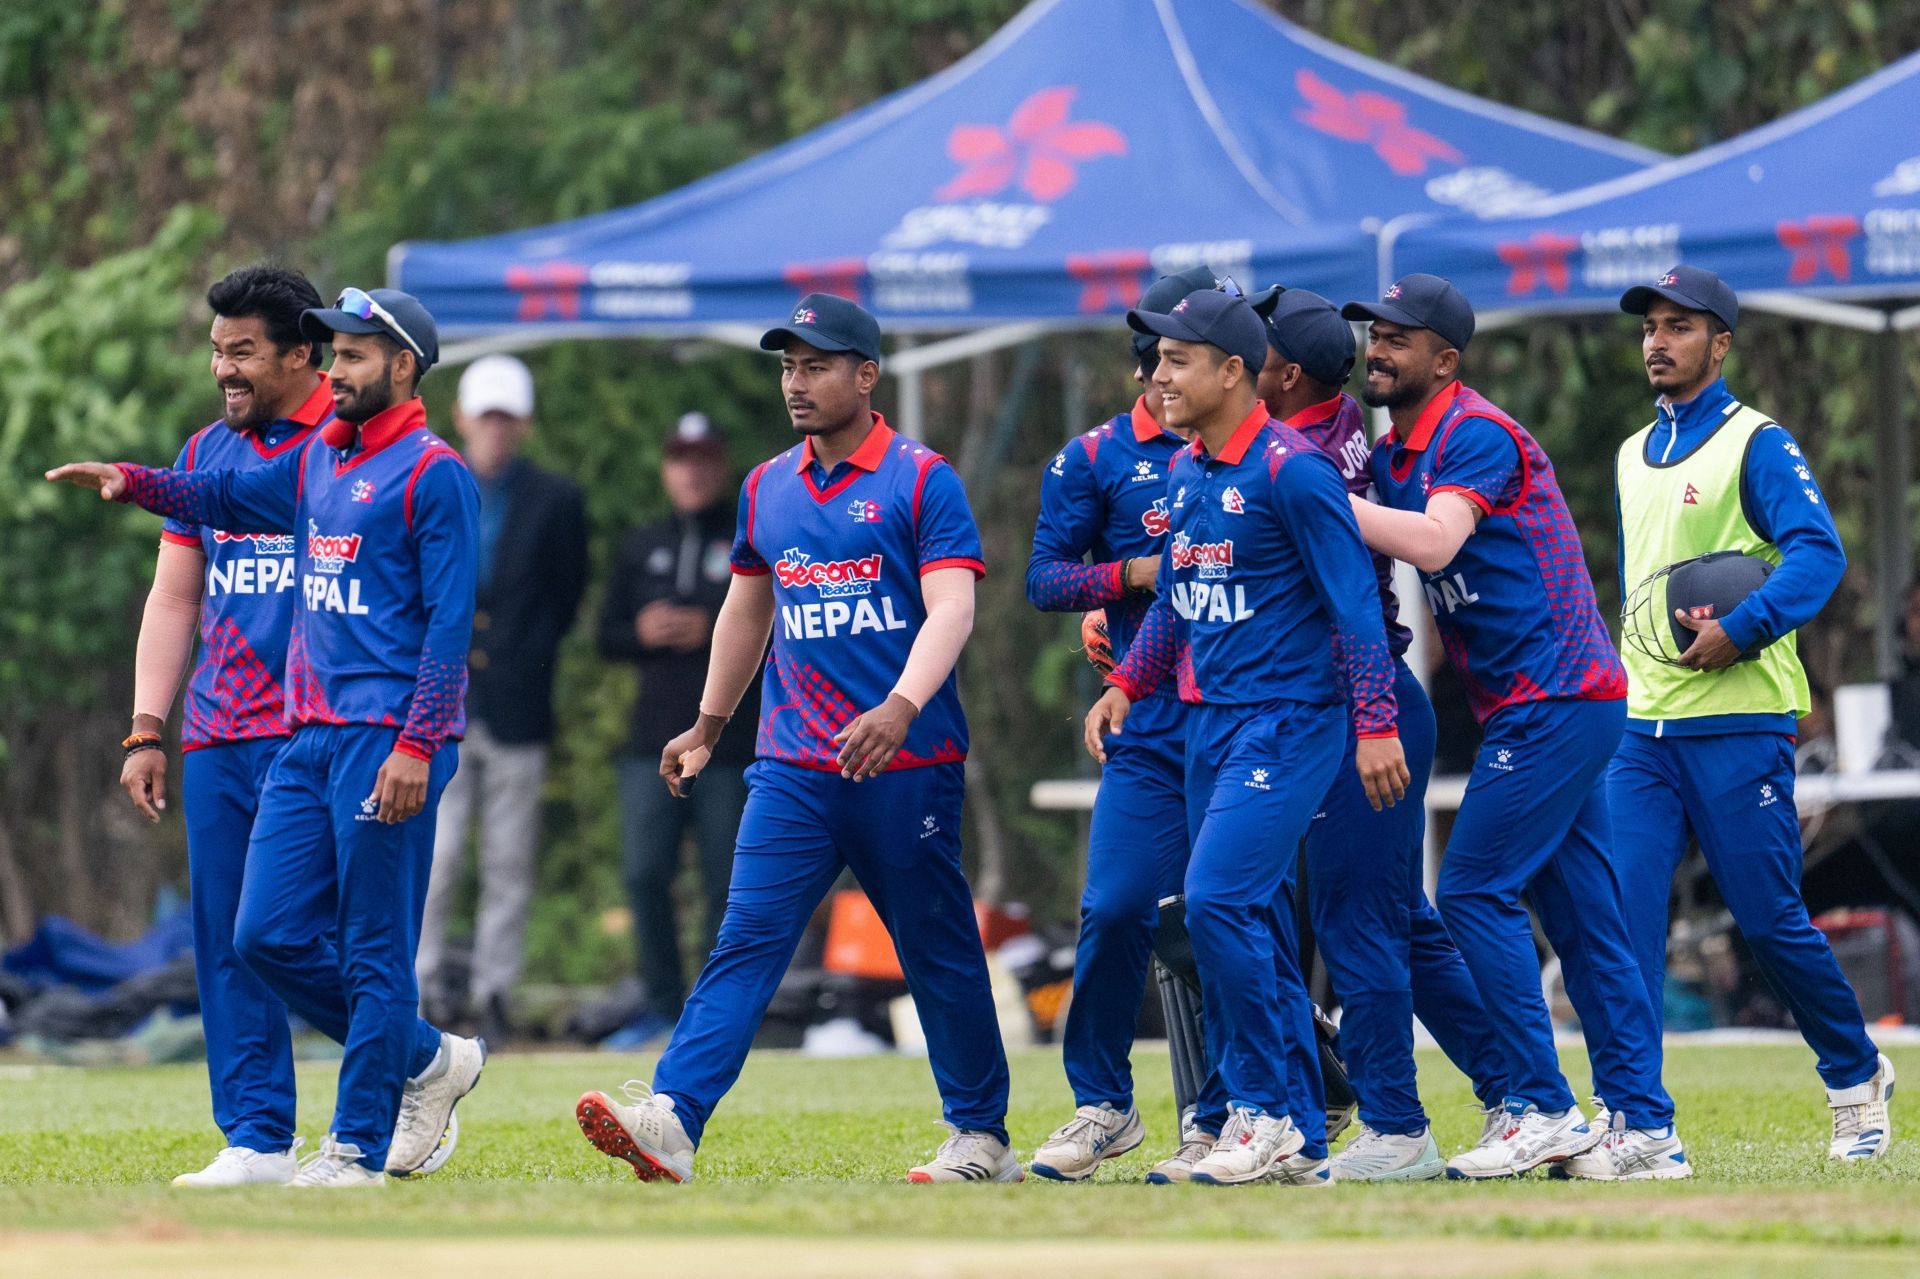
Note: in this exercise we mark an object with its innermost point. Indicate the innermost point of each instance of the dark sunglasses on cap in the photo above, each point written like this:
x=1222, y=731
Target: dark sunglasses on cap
x=358, y=302
x=1228, y=287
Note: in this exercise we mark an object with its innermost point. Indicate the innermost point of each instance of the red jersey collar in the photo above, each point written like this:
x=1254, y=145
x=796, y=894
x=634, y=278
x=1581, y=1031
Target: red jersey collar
x=872, y=450
x=378, y=431
x=1315, y=414
x=1429, y=418
x=1242, y=438
x=1145, y=425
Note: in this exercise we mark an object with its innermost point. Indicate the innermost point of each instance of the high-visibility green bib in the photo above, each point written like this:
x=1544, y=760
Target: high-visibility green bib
x=1679, y=510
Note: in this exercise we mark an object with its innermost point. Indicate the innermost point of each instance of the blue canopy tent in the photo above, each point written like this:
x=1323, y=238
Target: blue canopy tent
x=1815, y=215
x=1039, y=183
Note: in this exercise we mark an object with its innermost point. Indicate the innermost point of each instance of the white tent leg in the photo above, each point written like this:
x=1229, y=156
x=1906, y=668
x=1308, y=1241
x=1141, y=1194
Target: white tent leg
x=913, y=406
x=1893, y=469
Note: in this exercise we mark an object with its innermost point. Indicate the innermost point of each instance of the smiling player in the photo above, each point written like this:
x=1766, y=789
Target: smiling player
x=1266, y=581
x=384, y=517
x=1385, y=946
x=1470, y=500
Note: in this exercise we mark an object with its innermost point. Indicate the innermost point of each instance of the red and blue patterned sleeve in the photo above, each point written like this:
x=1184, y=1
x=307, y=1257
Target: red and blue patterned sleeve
x=446, y=535
x=744, y=559
x=1312, y=501
x=183, y=532
x=1072, y=513
x=261, y=500
x=1158, y=650
x=944, y=531
x=1480, y=461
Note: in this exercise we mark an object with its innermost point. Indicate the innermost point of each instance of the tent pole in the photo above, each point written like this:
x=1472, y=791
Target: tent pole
x=913, y=405
x=1893, y=473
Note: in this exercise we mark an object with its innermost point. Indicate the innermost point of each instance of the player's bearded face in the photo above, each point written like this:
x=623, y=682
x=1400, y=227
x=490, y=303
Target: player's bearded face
x=258, y=382
x=1676, y=346
x=363, y=377
x=1400, y=366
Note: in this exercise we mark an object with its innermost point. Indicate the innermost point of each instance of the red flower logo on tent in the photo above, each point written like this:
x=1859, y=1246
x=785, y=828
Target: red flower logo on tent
x=1039, y=146
x=840, y=277
x=547, y=287
x=1540, y=259
x=1819, y=243
x=1372, y=118
x=1109, y=281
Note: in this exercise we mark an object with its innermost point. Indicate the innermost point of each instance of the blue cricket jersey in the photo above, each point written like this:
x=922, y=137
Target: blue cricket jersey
x=1266, y=580
x=847, y=550
x=1515, y=608
x=385, y=525
x=1338, y=428
x=1106, y=494
x=235, y=693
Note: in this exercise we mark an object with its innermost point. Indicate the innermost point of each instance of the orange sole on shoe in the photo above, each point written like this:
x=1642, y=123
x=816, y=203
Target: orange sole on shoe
x=595, y=1114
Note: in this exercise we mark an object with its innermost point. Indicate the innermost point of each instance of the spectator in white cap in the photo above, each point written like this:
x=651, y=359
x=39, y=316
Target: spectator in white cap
x=668, y=582
x=527, y=593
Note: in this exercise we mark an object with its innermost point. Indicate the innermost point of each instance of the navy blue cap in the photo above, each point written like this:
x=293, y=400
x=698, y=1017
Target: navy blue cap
x=1421, y=302
x=1693, y=287
x=828, y=322
x=1307, y=330
x=1208, y=315
x=1163, y=295
x=405, y=321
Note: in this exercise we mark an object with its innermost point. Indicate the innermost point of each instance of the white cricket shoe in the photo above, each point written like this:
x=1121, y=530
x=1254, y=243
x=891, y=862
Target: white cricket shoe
x=335, y=1166
x=1385, y=1156
x=1195, y=1144
x=1250, y=1144
x=1630, y=1154
x=1861, y=1129
x=1493, y=1127
x=1298, y=1170
x=1093, y=1135
x=969, y=1156
x=238, y=1166
x=1533, y=1137
x=1602, y=1117
x=424, y=1133
x=647, y=1134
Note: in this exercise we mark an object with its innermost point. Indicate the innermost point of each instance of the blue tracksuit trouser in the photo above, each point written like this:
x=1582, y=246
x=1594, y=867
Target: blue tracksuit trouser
x=1255, y=775
x=1534, y=821
x=1388, y=952
x=329, y=915
x=1136, y=856
x=249, y=1048
x=899, y=833
x=1734, y=793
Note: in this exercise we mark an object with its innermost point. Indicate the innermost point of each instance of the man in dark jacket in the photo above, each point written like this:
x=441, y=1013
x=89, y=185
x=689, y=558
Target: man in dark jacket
x=669, y=580
x=532, y=571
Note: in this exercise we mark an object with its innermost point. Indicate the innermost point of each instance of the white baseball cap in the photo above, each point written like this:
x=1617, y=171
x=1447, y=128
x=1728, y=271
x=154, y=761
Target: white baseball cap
x=496, y=383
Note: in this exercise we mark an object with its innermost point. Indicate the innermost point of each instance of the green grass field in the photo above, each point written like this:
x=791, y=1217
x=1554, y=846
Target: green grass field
x=800, y=1176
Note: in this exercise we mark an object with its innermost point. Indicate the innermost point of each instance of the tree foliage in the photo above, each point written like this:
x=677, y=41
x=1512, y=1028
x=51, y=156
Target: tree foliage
x=148, y=145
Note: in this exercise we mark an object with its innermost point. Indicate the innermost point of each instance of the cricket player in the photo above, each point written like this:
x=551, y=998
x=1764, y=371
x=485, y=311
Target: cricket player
x=384, y=518
x=236, y=592
x=1383, y=942
x=1469, y=499
x=857, y=551
x=1105, y=495
x=1709, y=747
x=1264, y=577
